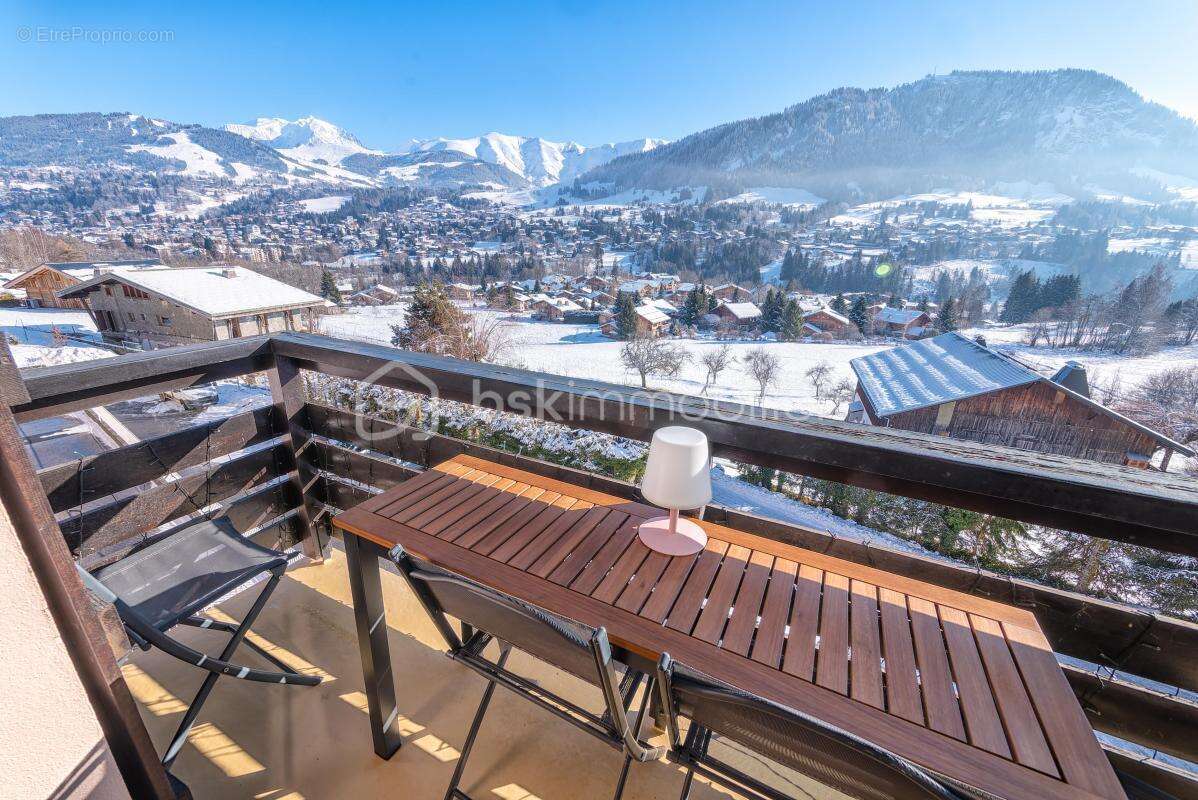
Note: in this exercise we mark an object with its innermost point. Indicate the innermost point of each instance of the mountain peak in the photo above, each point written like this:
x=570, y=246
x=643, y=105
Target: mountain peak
x=305, y=139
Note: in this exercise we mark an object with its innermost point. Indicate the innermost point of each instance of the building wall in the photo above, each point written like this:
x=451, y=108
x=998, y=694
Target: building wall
x=1033, y=417
x=145, y=315
x=43, y=286
x=51, y=744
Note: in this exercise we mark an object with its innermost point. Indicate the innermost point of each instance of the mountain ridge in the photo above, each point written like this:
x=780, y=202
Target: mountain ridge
x=963, y=129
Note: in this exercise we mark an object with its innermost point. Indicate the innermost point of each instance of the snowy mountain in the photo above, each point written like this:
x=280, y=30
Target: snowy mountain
x=1082, y=131
x=539, y=161
x=91, y=139
x=307, y=139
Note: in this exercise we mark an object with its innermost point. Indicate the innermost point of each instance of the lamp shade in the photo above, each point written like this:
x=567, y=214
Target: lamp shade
x=678, y=473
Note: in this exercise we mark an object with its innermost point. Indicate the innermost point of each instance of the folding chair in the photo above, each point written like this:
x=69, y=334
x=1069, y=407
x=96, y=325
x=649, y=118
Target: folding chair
x=486, y=614
x=169, y=581
x=833, y=757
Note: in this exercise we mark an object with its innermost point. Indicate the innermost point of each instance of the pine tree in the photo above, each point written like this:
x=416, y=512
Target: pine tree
x=792, y=323
x=772, y=309
x=1023, y=299
x=626, y=316
x=947, y=318
x=858, y=314
x=840, y=305
x=328, y=287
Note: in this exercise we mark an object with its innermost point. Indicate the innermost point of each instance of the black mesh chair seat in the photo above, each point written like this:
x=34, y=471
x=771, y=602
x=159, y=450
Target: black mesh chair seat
x=169, y=581
x=166, y=581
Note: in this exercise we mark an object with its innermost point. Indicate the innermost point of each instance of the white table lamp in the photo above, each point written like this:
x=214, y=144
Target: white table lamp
x=677, y=476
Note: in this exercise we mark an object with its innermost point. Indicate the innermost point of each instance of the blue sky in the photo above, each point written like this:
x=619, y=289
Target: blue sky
x=589, y=71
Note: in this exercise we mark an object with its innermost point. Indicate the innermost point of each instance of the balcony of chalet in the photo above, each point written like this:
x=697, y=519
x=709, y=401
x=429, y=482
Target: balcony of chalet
x=280, y=473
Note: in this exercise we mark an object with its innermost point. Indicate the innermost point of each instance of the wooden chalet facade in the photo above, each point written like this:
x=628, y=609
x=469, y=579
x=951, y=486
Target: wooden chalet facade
x=826, y=321
x=952, y=386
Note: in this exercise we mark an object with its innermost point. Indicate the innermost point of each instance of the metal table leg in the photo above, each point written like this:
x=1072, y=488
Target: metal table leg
x=363, y=561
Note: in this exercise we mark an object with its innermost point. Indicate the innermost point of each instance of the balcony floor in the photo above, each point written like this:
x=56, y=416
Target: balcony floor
x=290, y=743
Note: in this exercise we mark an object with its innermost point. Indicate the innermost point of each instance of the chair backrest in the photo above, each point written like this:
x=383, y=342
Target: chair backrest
x=821, y=751
x=578, y=649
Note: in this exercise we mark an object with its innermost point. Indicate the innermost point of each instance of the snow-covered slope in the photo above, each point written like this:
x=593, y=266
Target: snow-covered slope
x=307, y=139
x=539, y=161
x=965, y=130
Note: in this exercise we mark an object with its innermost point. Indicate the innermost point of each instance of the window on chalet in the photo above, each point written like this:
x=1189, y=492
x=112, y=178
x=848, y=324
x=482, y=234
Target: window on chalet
x=164, y=322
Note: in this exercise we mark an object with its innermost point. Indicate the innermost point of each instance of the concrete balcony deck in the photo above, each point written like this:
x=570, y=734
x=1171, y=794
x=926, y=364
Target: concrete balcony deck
x=294, y=743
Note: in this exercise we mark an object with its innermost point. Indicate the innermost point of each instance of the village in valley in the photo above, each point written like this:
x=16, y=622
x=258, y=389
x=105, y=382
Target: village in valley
x=1061, y=327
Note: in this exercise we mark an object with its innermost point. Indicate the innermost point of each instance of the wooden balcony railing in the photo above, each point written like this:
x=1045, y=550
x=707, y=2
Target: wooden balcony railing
x=276, y=472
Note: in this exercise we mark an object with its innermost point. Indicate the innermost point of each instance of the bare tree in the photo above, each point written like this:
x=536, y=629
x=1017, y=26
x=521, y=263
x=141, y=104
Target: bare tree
x=819, y=375
x=841, y=393
x=715, y=361
x=763, y=367
x=646, y=357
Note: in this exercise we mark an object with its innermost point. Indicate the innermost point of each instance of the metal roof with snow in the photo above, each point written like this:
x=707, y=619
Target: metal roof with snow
x=899, y=316
x=652, y=315
x=934, y=371
x=743, y=310
x=216, y=291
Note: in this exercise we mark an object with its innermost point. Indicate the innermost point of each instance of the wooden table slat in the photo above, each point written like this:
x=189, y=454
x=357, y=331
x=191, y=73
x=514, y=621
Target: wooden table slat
x=902, y=683
x=714, y=615
x=739, y=633
x=528, y=554
x=832, y=658
x=935, y=675
x=771, y=631
x=799, y=658
x=982, y=722
x=866, y=660
x=1014, y=706
x=686, y=608
x=963, y=685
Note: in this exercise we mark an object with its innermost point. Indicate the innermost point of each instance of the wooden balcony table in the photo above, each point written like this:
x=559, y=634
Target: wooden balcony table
x=963, y=686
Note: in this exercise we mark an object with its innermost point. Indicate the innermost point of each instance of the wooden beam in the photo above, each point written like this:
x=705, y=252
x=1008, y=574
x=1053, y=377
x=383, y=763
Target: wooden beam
x=1178, y=784
x=134, y=514
x=1136, y=713
x=1152, y=645
x=76, y=483
x=1137, y=506
x=71, y=387
x=26, y=508
x=287, y=391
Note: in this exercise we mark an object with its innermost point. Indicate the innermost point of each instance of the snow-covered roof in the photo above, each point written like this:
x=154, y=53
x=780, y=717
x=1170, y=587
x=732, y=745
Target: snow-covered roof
x=662, y=305
x=217, y=291
x=953, y=367
x=82, y=270
x=934, y=371
x=652, y=315
x=899, y=316
x=841, y=318
x=743, y=310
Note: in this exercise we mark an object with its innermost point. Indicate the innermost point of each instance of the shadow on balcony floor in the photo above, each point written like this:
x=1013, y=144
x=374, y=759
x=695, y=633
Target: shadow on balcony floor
x=292, y=743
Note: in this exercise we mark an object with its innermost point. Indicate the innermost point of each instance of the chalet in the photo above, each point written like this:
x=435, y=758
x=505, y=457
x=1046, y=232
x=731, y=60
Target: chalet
x=731, y=293
x=552, y=309
x=905, y=323
x=462, y=292
x=953, y=386
x=378, y=295
x=650, y=323
x=740, y=315
x=43, y=283
x=825, y=321
x=166, y=305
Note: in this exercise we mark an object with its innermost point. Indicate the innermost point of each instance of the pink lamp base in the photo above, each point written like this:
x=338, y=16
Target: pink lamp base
x=687, y=539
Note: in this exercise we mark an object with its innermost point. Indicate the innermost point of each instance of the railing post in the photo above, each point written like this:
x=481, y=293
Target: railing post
x=25, y=507
x=287, y=391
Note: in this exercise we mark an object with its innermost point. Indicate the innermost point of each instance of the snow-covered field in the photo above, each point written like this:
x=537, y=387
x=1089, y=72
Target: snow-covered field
x=580, y=351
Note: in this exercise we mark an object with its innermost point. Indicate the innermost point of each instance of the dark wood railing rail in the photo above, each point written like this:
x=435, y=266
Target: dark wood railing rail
x=278, y=469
